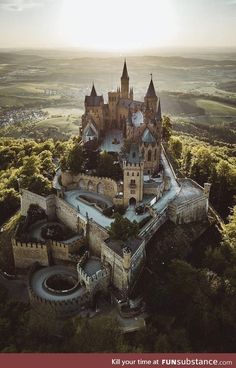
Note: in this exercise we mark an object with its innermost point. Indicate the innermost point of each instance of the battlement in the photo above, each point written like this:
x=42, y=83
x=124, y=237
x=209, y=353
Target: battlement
x=33, y=245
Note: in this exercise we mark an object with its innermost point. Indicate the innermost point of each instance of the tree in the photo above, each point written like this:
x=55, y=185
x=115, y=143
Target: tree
x=175, y=146
x=166, y=129
x=105, y=165
x=75, y=159
x=9, y=203
x=98, y=335
x=229, y=231
x=122, y=228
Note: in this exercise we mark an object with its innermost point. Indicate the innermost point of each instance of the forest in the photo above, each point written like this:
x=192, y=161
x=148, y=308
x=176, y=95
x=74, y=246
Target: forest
x=199, y=317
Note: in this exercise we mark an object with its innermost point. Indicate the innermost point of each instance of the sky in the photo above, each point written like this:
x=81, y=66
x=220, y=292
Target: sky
x=117, y=25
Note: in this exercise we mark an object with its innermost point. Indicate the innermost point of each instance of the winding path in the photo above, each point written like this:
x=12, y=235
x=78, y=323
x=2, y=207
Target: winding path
x=41, y=275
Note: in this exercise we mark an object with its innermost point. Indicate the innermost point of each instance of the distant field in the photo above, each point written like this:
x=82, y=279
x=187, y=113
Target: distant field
x=64, y=124
x=214, y=107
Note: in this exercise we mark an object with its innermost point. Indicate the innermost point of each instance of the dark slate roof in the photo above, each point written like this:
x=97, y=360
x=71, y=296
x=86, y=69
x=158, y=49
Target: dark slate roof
x=147, y=137
x=90, y=133
x=126, y=102
x=158, y=109
x=125, y=72
x=151, y=90
x=93, y=92
x=93, y=100
x=118, y=245
x=134, y=156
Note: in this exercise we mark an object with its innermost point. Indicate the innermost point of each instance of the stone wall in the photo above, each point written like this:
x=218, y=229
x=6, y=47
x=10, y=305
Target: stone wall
x=105, y=186
x=189, y=211
x=96, y=237
x=67, y=214
x=46, y=203
x=116, y=263
x=26, y=254
x=97, y=282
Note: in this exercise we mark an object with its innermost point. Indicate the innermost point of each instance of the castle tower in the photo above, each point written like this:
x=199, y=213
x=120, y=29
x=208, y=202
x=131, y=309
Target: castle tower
x=150, y=150
x=151, y=98
x=125, y=82
x=133, y=176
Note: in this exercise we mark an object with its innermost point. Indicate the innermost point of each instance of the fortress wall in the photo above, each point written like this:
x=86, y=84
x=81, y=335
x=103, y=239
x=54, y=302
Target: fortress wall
x=96, y=237
x=67, y=214
x=105, y=186
x=116, y=263
x=46, y=203
x=189, y=211
x=26, y=254
x=99, y=281
x=61, y=308
x=59, y=251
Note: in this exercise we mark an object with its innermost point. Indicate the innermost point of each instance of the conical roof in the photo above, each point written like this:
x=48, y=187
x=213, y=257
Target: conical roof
x=93, y=92
x=151, y=90
x=125, y=72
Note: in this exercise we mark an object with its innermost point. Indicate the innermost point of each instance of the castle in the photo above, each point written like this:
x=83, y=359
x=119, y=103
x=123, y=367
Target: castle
x=133, y=130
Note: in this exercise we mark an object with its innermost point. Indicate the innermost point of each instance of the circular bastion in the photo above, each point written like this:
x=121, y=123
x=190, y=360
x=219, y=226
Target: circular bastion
x=58, y=287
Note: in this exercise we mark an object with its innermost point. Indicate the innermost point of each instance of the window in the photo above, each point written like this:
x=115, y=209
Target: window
x=132, y=173
x=155, y=154
x=137, y=173
x=127, y=173
x=132, y=191
x=149, y=155
x=132, y=181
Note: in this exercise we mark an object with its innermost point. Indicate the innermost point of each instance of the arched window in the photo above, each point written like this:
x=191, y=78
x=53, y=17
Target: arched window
x=149, y=155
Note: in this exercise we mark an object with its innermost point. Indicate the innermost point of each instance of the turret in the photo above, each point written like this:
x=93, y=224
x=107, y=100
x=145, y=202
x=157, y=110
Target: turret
x=151, y=97
x=131, y=93
x=125, y=82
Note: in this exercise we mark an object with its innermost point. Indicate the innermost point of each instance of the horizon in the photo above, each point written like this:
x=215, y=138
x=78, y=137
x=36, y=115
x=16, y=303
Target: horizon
x=95, y=27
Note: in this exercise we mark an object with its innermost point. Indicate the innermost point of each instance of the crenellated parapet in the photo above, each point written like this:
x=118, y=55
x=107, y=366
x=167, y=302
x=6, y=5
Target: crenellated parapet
x=91, y=183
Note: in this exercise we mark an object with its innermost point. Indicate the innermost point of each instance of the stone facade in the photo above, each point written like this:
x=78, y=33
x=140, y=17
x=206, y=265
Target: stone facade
x=105, y=186
x=191, y=204
x=26, y=254
x=46, y=203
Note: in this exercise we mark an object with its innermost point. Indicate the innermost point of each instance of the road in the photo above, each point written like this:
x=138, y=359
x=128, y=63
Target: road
x=41, y=275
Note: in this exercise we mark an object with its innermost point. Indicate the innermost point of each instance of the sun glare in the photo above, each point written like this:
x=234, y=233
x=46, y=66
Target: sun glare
x=121, y=25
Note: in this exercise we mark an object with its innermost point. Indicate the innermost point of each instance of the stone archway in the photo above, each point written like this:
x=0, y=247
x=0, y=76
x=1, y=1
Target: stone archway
x=100, y=188
x=81, y=184
x=90, y=186
x=132, y=201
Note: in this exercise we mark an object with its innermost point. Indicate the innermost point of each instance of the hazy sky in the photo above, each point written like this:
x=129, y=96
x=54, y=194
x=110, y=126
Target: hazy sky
x=117, y=24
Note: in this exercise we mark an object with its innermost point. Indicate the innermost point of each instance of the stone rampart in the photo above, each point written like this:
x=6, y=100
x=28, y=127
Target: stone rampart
x=26, y=254
x=46, y=203
x=101, y=185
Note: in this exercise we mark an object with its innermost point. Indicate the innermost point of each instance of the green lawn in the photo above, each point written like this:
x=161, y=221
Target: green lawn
x=64, y=124
x=216, y=108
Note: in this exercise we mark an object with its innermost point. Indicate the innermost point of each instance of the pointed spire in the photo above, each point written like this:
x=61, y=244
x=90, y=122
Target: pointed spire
x=151, y=89
x=125, y=72
x=93, y=91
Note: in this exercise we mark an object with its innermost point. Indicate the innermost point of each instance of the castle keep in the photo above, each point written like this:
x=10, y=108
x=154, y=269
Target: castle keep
x=131, y=129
